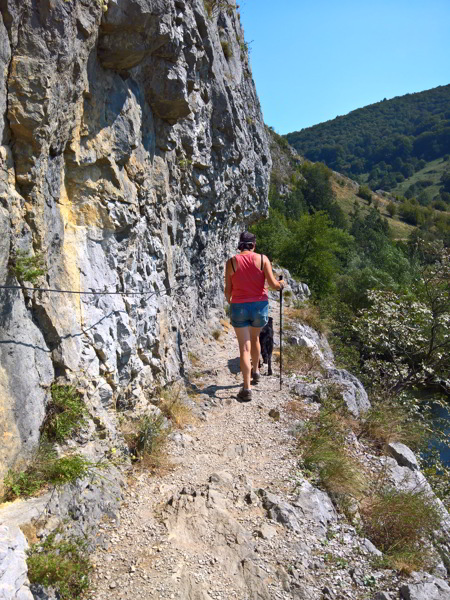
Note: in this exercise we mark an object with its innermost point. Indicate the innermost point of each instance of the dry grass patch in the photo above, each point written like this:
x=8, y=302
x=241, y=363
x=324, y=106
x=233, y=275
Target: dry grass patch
x=146, y=440
x=172, y=406
x=388, y=422
x=225, y=324
x=307, y=314
x=298, y=409
x=216, y=334
x=194, y=359
x=401, y=524
x=300, y=359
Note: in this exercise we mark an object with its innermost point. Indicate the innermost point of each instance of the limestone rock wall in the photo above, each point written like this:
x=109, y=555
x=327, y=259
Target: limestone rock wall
x=132, y=153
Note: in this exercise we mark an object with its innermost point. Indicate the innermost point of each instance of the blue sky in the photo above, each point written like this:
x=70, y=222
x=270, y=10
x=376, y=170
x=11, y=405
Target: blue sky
x=313, y=60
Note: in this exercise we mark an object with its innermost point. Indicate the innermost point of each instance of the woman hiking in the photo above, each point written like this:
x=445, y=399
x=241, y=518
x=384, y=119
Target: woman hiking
x=245, y=289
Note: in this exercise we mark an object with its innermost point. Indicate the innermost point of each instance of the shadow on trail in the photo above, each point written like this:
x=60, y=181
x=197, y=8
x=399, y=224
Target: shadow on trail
x=234, y=365
x=212, y=389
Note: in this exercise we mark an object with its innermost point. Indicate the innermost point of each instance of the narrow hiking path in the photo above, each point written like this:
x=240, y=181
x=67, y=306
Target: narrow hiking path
x=201, y=530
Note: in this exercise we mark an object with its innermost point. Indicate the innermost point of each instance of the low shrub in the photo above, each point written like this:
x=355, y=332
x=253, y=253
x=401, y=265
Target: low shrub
x=62, y=564
x=67, y=469
x=65, y=414
x=28, y=267
x=365, y=193
x=392, y=209
x=146, y=440
x=151, y=435
x=184, y=163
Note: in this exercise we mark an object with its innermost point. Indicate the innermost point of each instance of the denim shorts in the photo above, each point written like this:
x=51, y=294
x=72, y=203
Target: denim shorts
x=250, y=314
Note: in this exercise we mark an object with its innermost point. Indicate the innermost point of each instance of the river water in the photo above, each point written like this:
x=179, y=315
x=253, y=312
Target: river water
x=441, y=418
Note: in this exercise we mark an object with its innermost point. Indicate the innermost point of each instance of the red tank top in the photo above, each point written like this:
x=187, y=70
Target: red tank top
x=248, y=281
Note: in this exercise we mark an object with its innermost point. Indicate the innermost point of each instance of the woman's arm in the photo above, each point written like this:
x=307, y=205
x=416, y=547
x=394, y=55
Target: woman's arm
x=277, y=285
x=228, y=282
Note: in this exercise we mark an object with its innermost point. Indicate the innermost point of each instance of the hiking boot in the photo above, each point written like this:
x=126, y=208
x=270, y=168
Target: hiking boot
x=256, y=377
x=244, y=395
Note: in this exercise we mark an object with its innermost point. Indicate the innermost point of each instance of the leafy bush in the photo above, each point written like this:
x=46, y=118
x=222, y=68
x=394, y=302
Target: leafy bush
x=404, y=336
x=365, y=193
x=392, y=209
x=62, y=564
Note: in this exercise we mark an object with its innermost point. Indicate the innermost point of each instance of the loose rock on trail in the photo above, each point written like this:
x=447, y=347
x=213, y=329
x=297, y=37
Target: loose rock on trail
x=234, y=518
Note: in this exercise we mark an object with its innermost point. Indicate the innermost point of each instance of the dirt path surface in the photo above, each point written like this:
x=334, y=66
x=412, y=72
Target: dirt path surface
x=202, y=530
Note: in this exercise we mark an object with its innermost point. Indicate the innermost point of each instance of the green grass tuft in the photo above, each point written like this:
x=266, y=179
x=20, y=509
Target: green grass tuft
x=45, y=470
x=62, y=564
x=66, y=413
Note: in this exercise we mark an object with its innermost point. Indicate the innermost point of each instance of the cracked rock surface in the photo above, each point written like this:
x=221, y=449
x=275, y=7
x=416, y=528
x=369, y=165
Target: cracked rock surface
x=132, y=153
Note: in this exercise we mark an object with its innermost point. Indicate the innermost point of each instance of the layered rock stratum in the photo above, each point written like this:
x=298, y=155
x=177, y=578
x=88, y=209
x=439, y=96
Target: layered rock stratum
x=132, y=153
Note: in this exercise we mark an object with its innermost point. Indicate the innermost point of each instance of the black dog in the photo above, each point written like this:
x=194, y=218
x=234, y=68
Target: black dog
x=266, y=341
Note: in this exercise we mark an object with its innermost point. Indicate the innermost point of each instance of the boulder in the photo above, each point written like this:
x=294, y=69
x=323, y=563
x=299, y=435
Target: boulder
x=433, y=589
x=352, y=390
x=311, y=391
x=382, y=596
x=14, y=584
x=310, y=505
x=403, y=455
x=315, y=506
x=280, y=511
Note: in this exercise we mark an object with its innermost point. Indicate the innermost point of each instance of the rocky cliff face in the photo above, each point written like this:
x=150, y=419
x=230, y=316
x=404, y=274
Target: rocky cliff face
x=132, y=152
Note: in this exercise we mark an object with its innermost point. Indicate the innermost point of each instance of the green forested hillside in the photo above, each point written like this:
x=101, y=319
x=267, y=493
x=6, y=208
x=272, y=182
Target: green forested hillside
x=389, y=144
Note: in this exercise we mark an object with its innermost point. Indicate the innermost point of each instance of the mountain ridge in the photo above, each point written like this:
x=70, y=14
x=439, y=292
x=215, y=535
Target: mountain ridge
x=385, y=143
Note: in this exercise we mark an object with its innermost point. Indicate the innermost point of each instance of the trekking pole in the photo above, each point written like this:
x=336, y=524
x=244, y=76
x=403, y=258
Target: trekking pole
x=281, y=333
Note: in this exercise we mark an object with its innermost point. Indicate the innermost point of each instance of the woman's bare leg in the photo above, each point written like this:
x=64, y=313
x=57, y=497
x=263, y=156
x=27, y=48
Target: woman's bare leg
x=255, y=347
x=244, y=341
